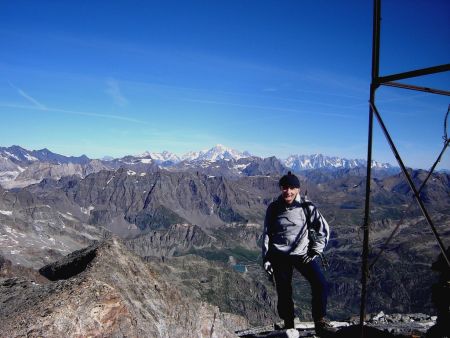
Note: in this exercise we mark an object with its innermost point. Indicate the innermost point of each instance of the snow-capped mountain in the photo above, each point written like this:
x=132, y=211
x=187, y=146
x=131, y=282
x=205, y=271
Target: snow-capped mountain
x=219, y=152
x=23, y=156
x=165, y=156
x=20, y=167
x=17, y=154
x=216, y=153
x=317, y=161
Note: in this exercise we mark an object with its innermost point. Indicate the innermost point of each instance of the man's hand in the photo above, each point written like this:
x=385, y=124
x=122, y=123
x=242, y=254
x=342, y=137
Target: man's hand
x=310, y=256
x=268, y=268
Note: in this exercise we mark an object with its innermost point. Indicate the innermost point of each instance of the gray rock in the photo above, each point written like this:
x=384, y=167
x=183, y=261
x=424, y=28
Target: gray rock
x=116, y=294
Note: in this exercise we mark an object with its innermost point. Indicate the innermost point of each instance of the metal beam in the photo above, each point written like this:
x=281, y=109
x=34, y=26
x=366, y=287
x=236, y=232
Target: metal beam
x=414, y=73
x=373, y=87
x=417, y=88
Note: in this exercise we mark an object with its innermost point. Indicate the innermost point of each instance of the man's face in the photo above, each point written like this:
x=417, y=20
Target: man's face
x=289, y=193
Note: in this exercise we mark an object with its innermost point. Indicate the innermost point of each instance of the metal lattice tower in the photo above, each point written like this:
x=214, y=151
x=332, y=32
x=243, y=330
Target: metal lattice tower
x=376, y=82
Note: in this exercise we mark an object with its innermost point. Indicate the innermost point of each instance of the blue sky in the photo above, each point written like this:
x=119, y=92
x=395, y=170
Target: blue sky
x=271, y=77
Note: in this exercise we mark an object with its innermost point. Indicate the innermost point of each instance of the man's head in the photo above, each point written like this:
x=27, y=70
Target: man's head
x=290, y=187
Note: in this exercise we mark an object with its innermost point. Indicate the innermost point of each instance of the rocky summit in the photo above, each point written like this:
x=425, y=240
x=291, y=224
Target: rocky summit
x=379, y=325
x=106, y=290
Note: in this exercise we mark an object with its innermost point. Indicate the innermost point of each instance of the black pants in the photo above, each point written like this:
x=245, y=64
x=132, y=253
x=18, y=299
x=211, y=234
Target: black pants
x=283, y=268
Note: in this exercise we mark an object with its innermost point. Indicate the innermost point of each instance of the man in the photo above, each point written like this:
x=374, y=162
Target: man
x=295, y=234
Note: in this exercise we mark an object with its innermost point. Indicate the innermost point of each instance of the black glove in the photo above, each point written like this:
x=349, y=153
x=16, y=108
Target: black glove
x=309, y=257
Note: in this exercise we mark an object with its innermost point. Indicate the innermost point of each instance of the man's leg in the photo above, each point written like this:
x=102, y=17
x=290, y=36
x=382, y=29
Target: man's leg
x=282, y=269
x=319, y=287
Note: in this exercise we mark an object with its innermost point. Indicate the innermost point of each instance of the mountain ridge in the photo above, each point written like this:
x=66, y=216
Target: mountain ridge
x=20, y=167
x=216, y=153
x=107, y=290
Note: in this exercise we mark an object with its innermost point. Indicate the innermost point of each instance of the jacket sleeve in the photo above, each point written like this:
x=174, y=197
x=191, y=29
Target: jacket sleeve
x=321, y=234
x=266, y=238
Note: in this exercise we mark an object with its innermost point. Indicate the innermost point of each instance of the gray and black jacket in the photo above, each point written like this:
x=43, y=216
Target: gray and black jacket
x=286, y=229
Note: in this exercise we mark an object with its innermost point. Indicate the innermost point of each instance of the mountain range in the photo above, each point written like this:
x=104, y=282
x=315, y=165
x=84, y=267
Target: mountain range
x=197, y=225
x=194, y=221
x=221, y=152
x=20, y=167
x=218, y=152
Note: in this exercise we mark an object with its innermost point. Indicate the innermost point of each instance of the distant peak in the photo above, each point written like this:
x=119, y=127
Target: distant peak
x=218, y=152
x=316, y=161
x=219, y=147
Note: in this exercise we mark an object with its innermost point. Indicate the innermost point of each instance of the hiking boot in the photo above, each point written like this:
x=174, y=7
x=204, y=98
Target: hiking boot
x=288, y=324
x=324, y=328
x=292, y=333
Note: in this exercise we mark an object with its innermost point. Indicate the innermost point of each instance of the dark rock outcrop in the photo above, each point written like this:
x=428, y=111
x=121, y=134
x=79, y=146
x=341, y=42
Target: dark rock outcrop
x=71, y=265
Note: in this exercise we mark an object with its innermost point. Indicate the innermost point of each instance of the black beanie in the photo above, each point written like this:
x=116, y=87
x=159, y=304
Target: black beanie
x=289, y=180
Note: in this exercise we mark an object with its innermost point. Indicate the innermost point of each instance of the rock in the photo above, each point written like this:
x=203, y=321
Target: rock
x=70, y=265
x=292, y=333
x=396, y=328
x=419, y=317
x=178, y=238
x=379, y=316
x=106, y=290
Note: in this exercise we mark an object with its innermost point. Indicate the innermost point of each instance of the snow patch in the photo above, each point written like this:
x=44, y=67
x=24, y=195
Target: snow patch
x=68, y=217
x=87, y=210
x=6, y=212
x=14, y=232
x=12, y=155
x=30, y=158
x=241, y=166
x=131, y=173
